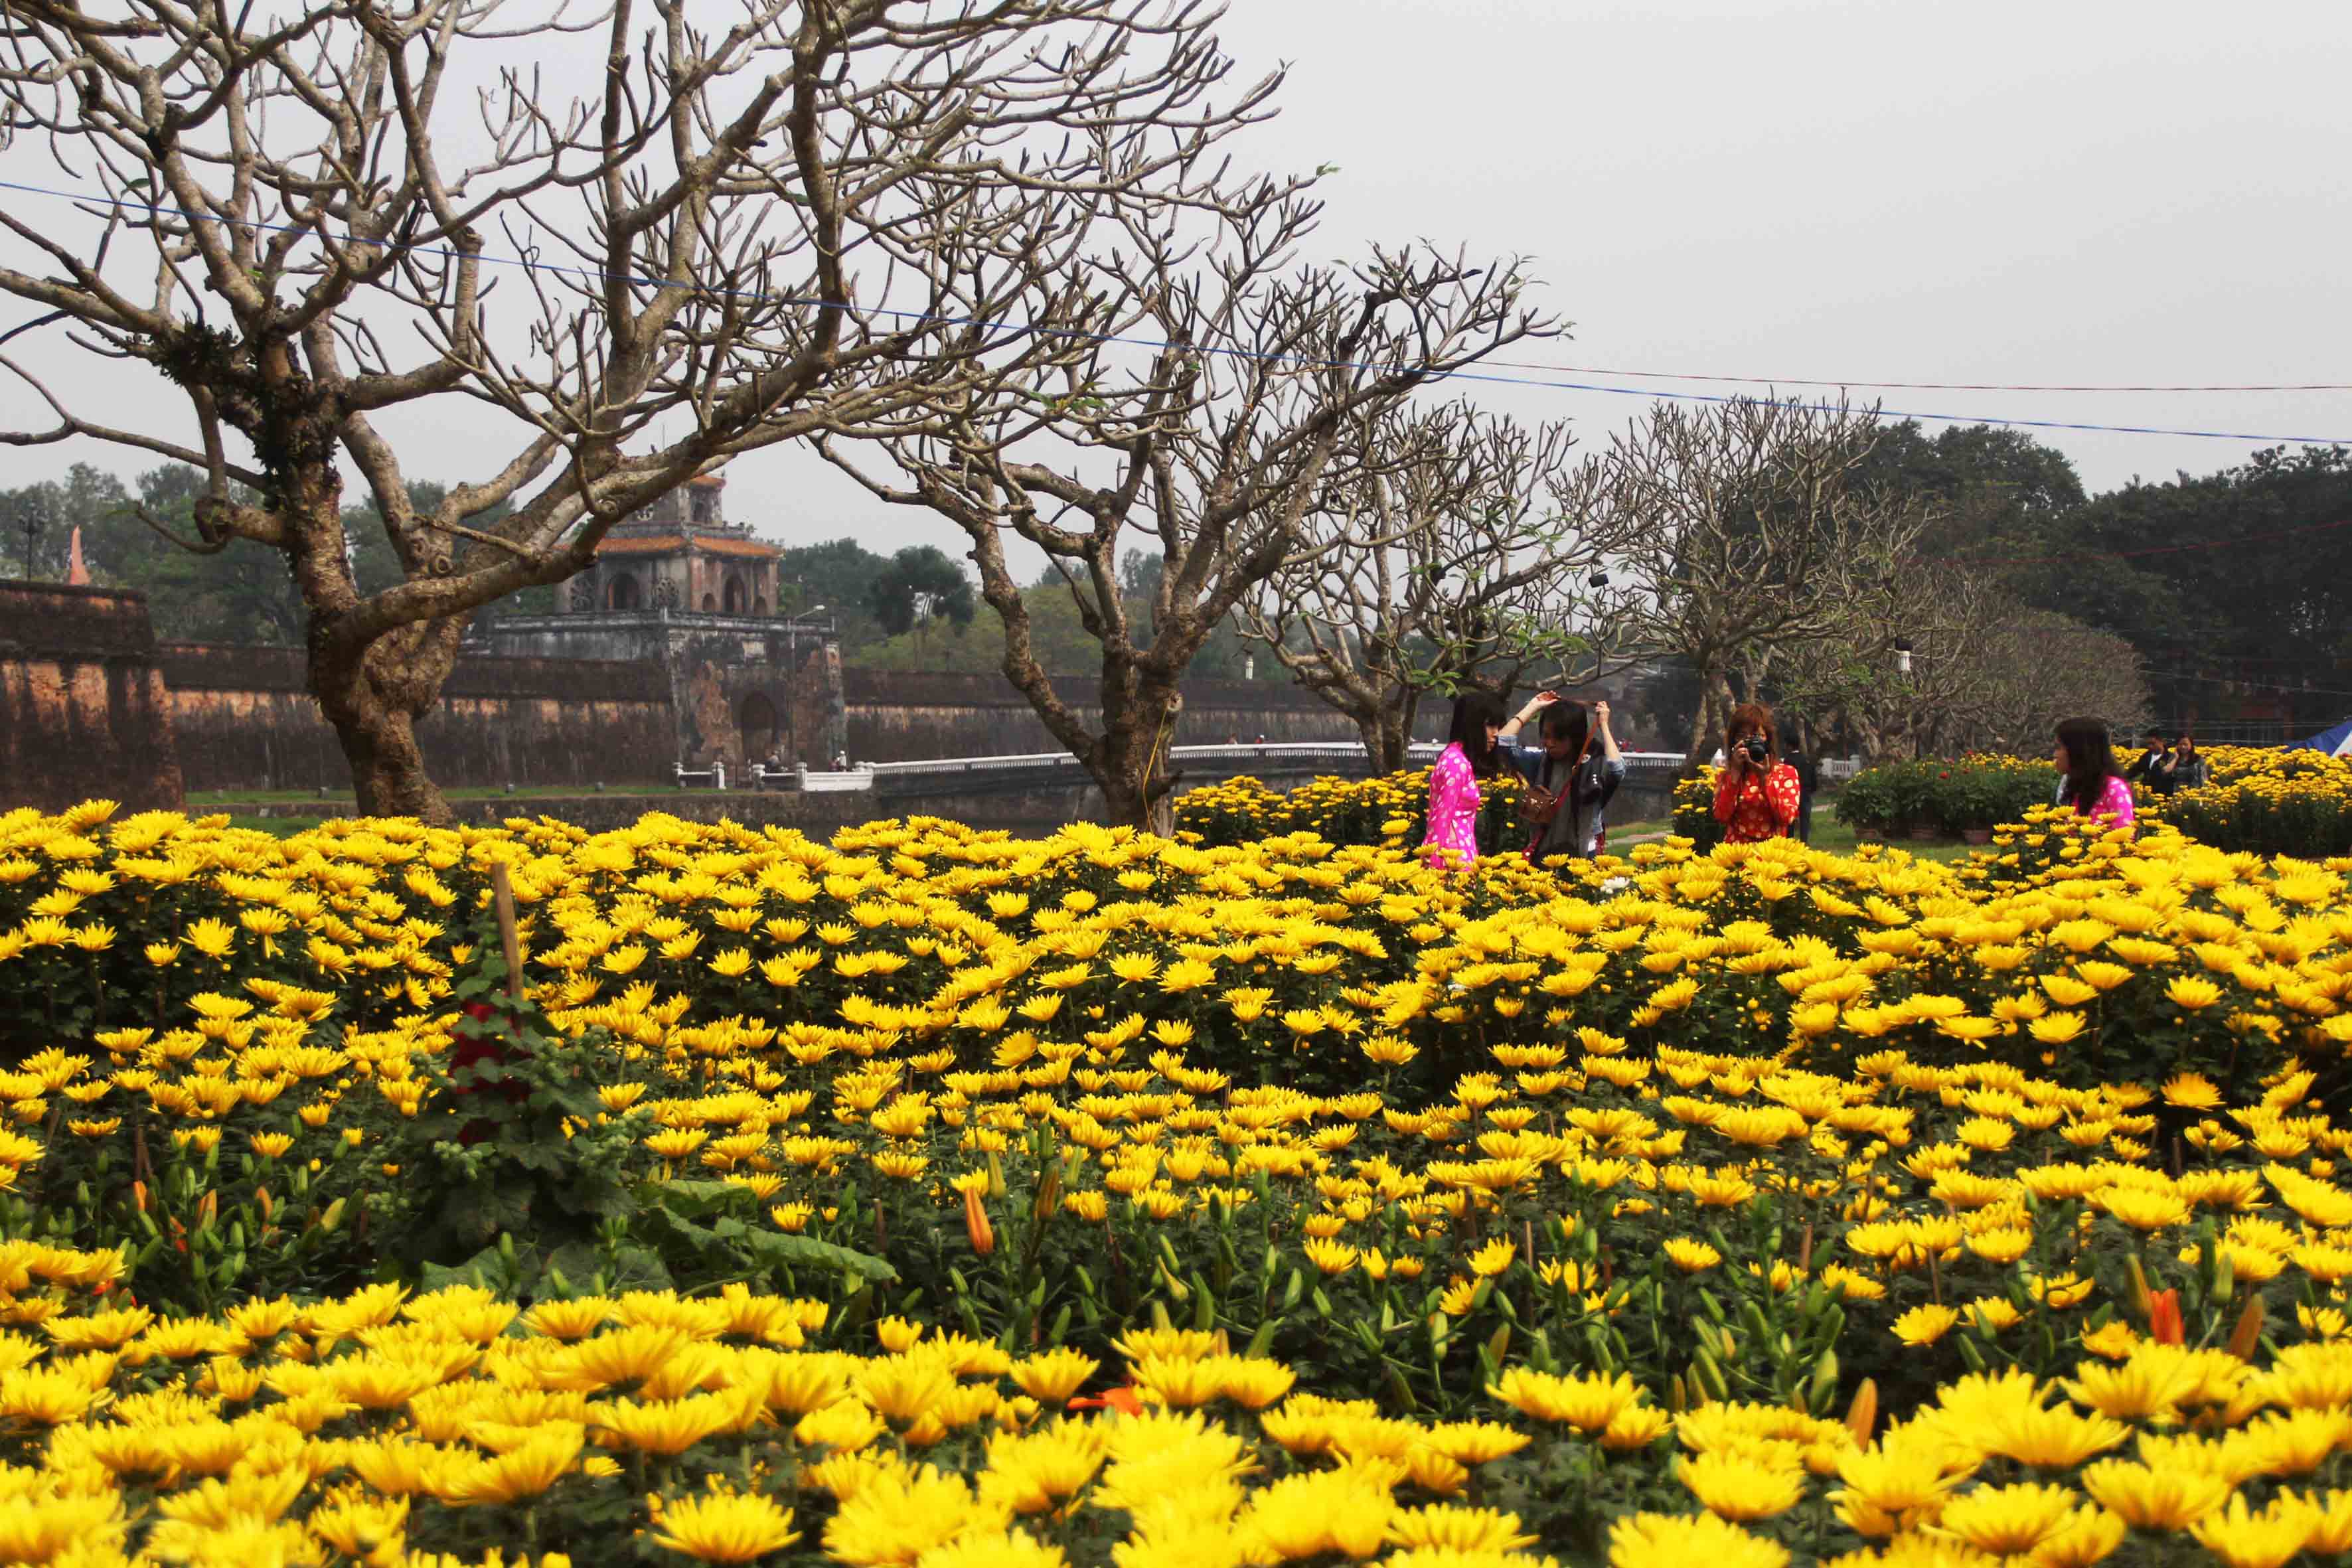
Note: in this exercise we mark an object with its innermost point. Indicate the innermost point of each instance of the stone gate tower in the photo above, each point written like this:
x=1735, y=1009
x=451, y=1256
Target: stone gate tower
x=680, y=554
x=679, y=585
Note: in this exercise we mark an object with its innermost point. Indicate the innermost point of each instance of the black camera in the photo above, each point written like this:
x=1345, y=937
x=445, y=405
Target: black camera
x=1755, y=747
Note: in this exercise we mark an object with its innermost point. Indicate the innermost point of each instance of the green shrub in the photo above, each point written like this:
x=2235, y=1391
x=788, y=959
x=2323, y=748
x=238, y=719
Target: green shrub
x=1949, y=796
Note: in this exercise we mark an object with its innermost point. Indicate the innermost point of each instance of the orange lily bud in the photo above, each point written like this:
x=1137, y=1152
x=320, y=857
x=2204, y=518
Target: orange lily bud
x=1863, y=1414
x=2164, y=1325
x=975, y=1224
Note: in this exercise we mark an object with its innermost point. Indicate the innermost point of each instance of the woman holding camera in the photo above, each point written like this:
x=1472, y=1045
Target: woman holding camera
x=1756, y=793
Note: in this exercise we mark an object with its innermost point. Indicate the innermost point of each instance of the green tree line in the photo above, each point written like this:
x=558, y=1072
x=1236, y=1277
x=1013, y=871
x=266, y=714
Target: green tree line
x=2271, y=610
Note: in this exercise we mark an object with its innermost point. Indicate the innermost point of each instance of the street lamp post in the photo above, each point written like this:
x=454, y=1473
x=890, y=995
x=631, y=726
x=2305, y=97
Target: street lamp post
x=32, y=518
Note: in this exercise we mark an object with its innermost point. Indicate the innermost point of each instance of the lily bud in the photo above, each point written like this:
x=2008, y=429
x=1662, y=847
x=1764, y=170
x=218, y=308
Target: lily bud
x=1863, y=1414
x=976, y=1226
x=2249, y=1332
x=2164, y=1324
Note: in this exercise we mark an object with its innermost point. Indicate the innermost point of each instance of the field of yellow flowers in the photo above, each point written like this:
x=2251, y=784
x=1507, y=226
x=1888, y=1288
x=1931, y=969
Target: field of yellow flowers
x=933, y=1198
x=2270, y=801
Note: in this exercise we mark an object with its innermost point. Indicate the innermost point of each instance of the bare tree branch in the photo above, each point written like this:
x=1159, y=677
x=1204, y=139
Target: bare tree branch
x=1212, y=449
x=1449, y=548
x=731, y=238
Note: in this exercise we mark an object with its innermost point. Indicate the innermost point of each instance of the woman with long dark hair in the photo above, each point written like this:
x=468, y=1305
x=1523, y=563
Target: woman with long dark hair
x=1571, y=775
x=2089, y=778
x=1469, y=756
x=1756, y=793
x=2180, y=768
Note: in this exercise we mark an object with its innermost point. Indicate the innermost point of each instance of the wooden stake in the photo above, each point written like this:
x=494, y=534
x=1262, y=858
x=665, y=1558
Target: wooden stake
x=509, y=936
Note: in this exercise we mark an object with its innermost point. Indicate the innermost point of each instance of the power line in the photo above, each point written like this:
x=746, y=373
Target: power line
x=1303, y=361
x=1921, y=386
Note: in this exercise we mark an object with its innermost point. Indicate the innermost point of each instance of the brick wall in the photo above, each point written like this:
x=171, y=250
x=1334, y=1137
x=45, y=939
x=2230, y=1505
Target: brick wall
x=246, y=719
x=82, y=709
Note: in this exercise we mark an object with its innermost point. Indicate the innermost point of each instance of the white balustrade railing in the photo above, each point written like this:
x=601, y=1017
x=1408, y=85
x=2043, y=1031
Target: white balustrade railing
x=867, y=776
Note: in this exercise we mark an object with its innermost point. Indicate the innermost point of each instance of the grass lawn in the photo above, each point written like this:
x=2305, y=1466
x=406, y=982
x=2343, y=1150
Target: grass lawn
x=343, y=802
x=1835, y=837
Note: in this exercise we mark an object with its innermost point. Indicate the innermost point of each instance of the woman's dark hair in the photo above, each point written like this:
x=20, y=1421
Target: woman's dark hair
x=1472, y=712
x=1570, y=722
x=1757, y=717
x=2089, y=761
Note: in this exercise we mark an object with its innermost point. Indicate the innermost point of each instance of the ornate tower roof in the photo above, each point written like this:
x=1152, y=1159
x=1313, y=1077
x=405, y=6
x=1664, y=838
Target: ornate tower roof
x=681, y=554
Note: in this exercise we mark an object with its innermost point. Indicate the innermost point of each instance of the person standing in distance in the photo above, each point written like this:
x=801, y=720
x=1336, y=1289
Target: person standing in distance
x=2088, y=779
x=1571, y=775
x=1756, y=793
x=2178, y=769
x=1454, y=798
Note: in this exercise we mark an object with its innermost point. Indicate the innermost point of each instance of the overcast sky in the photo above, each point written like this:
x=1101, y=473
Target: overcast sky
x=1888, y=190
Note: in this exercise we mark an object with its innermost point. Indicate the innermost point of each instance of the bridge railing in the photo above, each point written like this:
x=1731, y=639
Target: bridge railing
x=1229, y=759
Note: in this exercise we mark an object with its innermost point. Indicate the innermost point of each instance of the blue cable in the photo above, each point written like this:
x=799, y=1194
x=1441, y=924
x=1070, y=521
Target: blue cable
x=1015, y=329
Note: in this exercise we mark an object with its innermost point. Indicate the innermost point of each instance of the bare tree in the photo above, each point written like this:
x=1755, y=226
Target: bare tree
x=1902, y=671
x=1212, y=446
x=2038, y=666
x=1443, y=558
x=1937, y=660
x=1745, y=535
x=730, y=240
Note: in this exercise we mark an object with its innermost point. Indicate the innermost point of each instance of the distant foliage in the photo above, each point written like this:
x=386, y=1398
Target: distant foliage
x=1948, y=795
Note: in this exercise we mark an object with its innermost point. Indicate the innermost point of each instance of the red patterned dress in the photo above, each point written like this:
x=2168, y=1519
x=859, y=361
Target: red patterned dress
x=1757, y=808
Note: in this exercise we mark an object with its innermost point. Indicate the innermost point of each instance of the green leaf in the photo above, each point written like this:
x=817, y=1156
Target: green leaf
x=804, y=1251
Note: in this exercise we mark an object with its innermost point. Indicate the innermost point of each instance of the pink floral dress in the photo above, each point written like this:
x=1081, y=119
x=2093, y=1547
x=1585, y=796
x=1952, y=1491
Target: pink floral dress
x=1453, y=810
x=2114, y=804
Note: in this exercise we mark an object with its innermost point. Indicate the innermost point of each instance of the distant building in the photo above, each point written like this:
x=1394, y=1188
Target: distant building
x=680, y=586
x=681, y=554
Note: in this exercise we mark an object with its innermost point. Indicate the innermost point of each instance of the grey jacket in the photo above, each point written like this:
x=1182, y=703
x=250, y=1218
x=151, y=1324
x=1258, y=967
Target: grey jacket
x=1582, y=807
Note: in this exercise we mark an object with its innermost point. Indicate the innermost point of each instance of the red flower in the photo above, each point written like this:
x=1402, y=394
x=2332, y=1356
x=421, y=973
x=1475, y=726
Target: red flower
x=2164, y=1324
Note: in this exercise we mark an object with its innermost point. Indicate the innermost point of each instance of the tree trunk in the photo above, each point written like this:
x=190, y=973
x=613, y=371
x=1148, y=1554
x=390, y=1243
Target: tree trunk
x=375, y=701
x=1386, y=733
x=1715, y=707
x=1131, y=767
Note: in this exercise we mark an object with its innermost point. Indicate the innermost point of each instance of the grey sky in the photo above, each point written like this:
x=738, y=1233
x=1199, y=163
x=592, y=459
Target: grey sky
x=1997, y=192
